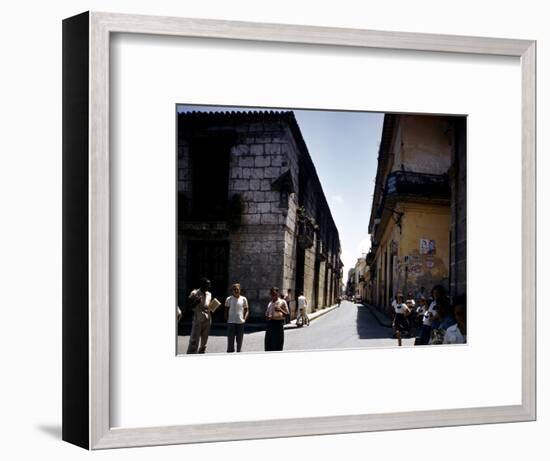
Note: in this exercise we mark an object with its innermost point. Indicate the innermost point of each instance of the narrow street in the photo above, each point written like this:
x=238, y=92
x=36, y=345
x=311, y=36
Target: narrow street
x=349, y=326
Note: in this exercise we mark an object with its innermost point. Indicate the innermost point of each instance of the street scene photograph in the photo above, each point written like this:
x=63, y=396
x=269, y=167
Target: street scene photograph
x=304, y=230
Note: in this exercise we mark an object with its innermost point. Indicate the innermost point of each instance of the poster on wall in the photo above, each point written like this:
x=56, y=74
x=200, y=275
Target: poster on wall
x=427, y=247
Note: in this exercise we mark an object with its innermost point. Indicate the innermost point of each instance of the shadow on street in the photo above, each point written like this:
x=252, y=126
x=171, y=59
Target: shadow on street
x=367, y=325
x=219, y=329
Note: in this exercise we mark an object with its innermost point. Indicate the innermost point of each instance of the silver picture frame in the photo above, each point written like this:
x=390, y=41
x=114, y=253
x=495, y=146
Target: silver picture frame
x=86, y=229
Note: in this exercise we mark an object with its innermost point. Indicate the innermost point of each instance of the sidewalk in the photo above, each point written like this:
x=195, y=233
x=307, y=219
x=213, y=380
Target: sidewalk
x=312, y=316
x=185, y=328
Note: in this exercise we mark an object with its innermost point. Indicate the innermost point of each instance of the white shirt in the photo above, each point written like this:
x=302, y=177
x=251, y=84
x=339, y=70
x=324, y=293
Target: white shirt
x=400, y=308
x=201, y=309
x=302, y=302
x=454, y=336
x=421, y=310
x=236, y=309
x=427, y=319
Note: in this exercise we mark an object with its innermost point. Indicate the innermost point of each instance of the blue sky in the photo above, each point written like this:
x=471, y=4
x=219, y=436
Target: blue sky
x=344, y=148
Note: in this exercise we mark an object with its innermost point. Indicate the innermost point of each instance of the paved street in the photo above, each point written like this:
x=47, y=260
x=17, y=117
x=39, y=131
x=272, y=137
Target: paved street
x=348, y=326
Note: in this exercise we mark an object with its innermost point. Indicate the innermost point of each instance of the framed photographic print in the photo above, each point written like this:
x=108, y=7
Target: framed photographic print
x=318, y=217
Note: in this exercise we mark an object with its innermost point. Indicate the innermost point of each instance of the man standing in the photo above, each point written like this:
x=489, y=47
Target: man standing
x=275, y=315
x=199, y=300
x=302, y=310
x=236, y=313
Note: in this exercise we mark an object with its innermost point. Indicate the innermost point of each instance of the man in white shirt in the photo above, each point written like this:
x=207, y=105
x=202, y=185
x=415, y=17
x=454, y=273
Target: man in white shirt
x=302, y=310
x=199, y=300
x=236, y=313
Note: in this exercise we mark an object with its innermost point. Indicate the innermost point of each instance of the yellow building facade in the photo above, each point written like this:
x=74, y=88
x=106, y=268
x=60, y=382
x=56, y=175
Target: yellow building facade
x=410, y=222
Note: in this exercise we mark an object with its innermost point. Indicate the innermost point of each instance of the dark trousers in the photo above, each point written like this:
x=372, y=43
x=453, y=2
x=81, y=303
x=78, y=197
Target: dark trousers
x=274, y=335
x=235, y=331
x=425, y=334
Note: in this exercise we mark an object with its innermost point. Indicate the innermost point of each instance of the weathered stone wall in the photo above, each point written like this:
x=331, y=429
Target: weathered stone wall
x=403, y=266
x=323, y=284
x=290, y=247
x=258, y=158
x=311, y=198
x=309, y=267
x=415, y=269
x=256, y=262
x=264, y=172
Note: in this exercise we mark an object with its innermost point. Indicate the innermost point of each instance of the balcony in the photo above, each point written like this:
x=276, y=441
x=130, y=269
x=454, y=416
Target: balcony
x=407, y=185
x=418, y=184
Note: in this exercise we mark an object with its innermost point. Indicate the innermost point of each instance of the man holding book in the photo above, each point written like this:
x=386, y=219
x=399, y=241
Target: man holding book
x=202, y=304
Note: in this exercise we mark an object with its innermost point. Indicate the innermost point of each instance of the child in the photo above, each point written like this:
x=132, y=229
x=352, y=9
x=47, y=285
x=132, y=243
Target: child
x=421, y=310
x=427, y=320
x=400, y=320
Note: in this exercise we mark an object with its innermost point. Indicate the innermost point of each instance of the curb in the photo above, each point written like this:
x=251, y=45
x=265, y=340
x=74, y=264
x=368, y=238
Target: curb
x=260, y=326
x=312, y=316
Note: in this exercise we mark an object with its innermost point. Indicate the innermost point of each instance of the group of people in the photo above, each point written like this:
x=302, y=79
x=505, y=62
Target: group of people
x=433, y=320
x=277, y=313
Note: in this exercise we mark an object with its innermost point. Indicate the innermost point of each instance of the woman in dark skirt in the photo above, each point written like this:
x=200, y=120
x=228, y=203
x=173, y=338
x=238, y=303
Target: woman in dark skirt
x=275, y=315
x=400, y=320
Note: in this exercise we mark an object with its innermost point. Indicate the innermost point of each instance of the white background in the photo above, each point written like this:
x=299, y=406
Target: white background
x=150, y=74
x=30, y=191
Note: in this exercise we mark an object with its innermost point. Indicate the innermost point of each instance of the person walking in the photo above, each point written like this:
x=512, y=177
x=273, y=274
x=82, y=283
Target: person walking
x=199, y=301
x=236, y=314
x=400, y=319
x=302, y=318
x=275, y=316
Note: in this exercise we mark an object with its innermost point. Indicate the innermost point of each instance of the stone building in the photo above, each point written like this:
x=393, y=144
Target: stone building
x=418, y=220
x=251, y=209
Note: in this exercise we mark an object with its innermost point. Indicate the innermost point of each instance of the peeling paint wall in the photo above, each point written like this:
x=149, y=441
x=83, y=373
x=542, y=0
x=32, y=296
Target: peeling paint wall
x=424, y=145
x=416, y=268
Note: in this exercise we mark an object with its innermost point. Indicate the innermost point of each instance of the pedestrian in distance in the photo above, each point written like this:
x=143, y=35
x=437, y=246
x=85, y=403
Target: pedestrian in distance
x=412, y=320
x=421, y=293
x=199, y=302
x=394, y=302
x=302, y=318
x=400, y=319
x=275, y=321
x=236, y=314
x=410, y=299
